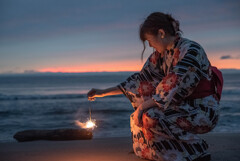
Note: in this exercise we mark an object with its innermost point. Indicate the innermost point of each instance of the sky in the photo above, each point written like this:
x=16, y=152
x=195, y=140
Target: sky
x=95, y=36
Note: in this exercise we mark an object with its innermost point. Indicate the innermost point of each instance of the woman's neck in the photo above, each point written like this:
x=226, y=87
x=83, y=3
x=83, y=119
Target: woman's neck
x=170, y=41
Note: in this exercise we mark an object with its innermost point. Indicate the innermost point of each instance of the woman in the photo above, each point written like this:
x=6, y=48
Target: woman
x=172, y=95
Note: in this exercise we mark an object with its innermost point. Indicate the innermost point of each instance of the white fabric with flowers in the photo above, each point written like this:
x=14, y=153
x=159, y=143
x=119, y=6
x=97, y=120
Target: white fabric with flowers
x=170, y=129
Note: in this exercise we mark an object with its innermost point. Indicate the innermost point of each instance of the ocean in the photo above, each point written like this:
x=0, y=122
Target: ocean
x=50, y=101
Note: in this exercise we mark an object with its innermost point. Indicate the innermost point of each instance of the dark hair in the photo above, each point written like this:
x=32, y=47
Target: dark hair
x=156, y=21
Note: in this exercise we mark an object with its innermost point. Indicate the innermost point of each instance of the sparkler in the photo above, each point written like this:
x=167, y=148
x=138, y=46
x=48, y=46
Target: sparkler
x=90, y=124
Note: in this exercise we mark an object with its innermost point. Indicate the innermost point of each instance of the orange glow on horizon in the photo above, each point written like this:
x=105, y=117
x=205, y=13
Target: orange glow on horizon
x=133, y=65
x=233, y=63
x=226, y=64
x=97, y=67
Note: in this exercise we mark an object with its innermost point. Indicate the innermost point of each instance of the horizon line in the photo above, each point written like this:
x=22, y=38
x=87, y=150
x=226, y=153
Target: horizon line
x=49, y=72
x=75, y=72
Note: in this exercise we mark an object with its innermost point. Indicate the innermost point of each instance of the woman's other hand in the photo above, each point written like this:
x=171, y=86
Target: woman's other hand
x=137, y=116
x=93, y=93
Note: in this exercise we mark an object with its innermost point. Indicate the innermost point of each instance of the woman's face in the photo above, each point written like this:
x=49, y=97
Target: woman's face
x=156, y=42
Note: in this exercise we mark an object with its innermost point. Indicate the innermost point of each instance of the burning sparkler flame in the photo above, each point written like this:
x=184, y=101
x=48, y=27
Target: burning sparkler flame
x=90, y=124
x=87, y=125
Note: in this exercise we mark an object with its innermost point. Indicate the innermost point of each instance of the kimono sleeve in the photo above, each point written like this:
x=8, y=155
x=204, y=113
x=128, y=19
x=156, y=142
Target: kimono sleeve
x=181, y=81
x=140, y=85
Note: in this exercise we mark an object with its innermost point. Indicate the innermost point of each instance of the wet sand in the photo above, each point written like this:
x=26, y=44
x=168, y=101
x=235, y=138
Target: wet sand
x=223, y=147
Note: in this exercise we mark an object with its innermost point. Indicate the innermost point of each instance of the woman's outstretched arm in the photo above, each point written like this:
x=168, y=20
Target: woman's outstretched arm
x=93, y=93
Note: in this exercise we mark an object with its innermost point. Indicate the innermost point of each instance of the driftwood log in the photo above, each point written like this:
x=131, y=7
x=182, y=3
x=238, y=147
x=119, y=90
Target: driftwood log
x=55, y=134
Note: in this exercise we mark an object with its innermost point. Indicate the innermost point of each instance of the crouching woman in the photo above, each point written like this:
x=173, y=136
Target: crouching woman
x=175, y=96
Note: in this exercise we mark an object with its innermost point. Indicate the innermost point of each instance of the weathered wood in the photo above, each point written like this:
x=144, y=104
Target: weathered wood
x=55, y=134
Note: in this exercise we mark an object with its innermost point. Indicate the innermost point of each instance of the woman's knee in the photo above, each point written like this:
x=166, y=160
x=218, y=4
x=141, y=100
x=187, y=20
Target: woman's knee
x=199, y=124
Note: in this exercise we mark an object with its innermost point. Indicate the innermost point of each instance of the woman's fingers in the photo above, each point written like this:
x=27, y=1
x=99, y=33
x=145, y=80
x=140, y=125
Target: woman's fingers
x=137, y=118
x=91, y=94
x=91, y=98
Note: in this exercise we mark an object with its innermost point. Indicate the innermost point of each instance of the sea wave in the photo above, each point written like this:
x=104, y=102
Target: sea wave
x=73, y=96
x=37, y=97
x=231, y=91
x=42, y=97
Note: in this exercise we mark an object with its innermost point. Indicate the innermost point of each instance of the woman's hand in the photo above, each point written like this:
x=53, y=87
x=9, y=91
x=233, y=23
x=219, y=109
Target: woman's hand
x=137, y=116
x=93, y=93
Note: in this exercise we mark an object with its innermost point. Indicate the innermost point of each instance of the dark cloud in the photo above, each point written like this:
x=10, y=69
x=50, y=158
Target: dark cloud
x=30, y=71
x=226, y=57
x=229, y=57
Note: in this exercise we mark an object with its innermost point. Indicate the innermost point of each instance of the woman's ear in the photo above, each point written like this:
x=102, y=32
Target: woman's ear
x=161, y=33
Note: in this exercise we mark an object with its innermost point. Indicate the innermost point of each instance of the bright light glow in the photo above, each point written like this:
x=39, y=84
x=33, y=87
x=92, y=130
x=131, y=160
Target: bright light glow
x=90, y=124
x=87, y=125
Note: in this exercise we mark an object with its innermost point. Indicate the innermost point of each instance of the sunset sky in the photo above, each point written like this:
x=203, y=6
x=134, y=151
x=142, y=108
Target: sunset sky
x=102, y=35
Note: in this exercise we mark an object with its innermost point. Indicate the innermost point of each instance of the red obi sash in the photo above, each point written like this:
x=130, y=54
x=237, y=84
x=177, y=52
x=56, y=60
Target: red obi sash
x=206, y=87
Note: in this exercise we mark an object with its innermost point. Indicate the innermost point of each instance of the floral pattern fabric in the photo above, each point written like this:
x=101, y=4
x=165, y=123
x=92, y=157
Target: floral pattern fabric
x=170, y=128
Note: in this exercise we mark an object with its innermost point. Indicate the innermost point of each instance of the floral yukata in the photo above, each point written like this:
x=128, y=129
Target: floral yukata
x=170, y=128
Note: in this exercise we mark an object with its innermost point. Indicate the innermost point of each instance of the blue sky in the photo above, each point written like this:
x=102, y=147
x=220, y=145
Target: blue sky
x=91, y=35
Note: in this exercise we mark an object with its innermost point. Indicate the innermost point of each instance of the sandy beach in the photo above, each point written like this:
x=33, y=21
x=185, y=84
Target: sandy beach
x=223, y=147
